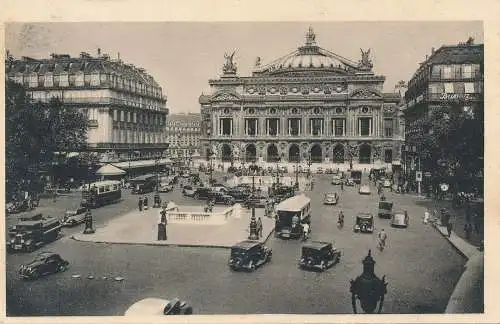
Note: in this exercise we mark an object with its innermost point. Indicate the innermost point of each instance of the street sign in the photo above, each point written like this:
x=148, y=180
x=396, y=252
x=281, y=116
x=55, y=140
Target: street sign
x=418, y=176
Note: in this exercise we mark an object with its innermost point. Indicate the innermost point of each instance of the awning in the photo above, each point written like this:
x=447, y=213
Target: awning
x=110, y=170
x=140, y=164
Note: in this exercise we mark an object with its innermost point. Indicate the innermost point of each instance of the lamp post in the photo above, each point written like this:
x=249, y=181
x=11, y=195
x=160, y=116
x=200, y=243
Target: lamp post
x=309, y=162
x=89, y=228
x=368, y=288
x=253, y=222
x=297, y=171
x=156, y=198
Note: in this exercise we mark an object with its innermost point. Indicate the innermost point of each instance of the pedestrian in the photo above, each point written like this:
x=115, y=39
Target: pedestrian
x=449, y=227
x=259, y=227
x=140, y=203
x=426, y=216
x=477, y=223
x=468, y=230
x=145, y=203
x=342, y=185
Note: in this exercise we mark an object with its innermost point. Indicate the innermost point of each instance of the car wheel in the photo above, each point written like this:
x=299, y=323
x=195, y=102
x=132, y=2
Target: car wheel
x=62, y=267
x=322, y=266
x=252, y=266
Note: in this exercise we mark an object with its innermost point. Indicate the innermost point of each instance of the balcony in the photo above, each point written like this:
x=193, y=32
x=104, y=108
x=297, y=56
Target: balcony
x=455, y=97
x=93, y=123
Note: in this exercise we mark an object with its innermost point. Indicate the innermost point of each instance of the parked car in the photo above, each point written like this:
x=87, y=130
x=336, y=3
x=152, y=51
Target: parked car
x=44, y=264
x=258, y=199
x=364, y=190
x=364, y=223
x=221, y=198
x=331, y=198
x=385, y=209
x=219, y=187
x=337, y=179
x=350, y=182
x=202, y=193
x=249, y=255
x=319, y=255
x=239, y=194
x=75, y=216
x=188, y=191
x=386, y=183
x=157, y=306
x=165, y=187
x=399, y=219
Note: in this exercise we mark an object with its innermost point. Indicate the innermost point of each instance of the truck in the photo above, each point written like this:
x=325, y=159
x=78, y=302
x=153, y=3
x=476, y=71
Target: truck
x=32, y=232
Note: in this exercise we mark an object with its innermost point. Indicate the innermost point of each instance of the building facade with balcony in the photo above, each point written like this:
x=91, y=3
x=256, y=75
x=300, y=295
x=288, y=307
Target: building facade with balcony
x=448, y=83
x=183, y=135
x=309, y=104
x=124, y=104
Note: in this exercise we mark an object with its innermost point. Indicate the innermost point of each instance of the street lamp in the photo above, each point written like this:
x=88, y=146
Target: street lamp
x=368, y=288
x=156, y=198
x=297, y=171
x=89, y=228
x=253, y=222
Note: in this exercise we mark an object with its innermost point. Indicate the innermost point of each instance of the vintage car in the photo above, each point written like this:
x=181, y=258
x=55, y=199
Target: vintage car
x=249, y=255
x=364, y=223
x=337, y=179
x=219, y=187
x=188, y=191
x=75, y=216
x=239, y=194
x=159, y=307
x=319, y=170
x=33, y=231
x=350, y=182
x=399, y=219
x=386, y=183
x=259, y=200
x=385, y=209
x=319, y=255
x=165, y=187
x=44, y=264
x=364, y=189
x=202, y=193
x=330, y=198
x=221, y=198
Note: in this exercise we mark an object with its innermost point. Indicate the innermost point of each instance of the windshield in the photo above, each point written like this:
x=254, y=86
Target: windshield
x=237, y=253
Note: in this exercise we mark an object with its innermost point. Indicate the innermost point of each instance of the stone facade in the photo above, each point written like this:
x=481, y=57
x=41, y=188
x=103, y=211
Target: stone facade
x=310, y=104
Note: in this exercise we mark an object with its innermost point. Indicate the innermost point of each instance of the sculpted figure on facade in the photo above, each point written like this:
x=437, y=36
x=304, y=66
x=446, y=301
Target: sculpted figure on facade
x=365, y=63
x=257, y=61
x=353, y=150
x=230, y=65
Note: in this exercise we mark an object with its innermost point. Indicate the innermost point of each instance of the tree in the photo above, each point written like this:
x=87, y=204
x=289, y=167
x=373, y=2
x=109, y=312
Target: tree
x=35, y=133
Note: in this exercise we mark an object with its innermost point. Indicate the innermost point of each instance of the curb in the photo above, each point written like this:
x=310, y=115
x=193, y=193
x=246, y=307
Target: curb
x=215, y=246
x=445, y=235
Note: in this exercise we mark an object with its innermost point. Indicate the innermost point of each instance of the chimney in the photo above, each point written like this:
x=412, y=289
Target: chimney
x=98, y=52
x=433, y=50
x=118, y=56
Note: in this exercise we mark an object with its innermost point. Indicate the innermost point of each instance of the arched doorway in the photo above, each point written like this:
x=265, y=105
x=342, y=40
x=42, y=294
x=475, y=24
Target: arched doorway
x=365, y=153
x=226, y=153
x=272, y=153
x=388, y=156
x=338, y=154
x=250, y=153
x=294, y=153
x=316, y=154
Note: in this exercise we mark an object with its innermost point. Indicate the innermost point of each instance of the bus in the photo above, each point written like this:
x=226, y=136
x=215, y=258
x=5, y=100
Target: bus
x=101, y=193
x=299, y=206
x=143, y=184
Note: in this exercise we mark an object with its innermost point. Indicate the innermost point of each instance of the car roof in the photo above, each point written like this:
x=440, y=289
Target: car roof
x=330, y=194
x=402, y=212
x=295, y=203
x=46, y=254
x=247, y=244
x=365, y=215
x=317, y=245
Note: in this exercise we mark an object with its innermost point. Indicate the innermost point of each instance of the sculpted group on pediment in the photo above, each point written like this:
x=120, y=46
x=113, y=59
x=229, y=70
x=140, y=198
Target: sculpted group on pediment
x=365, y=93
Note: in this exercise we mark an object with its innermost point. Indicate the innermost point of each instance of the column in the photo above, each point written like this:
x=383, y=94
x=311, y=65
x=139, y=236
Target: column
x=343, y=127
x=322, y=126
x=267, y=126
x=370, y=122
x=262, y=128
x=289, y=125
x=300, y=126
x=231, y=127
x=310, y=126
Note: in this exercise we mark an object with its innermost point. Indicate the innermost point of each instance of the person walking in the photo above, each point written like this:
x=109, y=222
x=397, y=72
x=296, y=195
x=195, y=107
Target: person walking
x=259, y=227
x=477, y=223
x=140, y=203
x=449, y=227
x=342, y=185
x=382, y=237
x=145, y=203
x=426, y=216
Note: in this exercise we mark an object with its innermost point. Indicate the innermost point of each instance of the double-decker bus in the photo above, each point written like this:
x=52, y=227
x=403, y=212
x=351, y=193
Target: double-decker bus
x=100, y=193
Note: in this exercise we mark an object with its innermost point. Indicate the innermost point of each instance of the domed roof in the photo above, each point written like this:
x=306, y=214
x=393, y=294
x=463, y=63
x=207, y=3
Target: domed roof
x=310, y=58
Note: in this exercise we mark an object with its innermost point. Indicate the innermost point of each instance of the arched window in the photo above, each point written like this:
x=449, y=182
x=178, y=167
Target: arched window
x=316, y=154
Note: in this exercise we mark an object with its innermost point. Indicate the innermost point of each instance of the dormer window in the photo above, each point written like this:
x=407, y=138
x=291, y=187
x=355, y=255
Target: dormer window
x=226, y=110
x=273, y=110
x=316, y=110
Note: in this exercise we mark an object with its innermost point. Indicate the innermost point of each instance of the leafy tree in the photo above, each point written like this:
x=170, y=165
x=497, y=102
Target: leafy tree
x=36, y=133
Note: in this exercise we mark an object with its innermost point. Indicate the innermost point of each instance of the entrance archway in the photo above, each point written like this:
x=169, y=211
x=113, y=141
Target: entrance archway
x=294, y=153
x=272, y=153
x=338, y=154
x=365, y=153
x=226, y=153
x=250, y=153
x=316, y=154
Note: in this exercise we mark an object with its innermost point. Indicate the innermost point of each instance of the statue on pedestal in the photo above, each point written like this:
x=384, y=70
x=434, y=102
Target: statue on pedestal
x=229, y=67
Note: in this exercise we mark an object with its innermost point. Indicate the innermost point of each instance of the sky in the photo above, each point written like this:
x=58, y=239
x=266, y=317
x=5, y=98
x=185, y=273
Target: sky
x=183, y=56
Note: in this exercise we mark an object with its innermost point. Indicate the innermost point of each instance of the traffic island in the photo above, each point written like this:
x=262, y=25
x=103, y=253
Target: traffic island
x=189, y=226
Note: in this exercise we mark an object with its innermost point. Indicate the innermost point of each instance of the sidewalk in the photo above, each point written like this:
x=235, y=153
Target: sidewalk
x=141, y=228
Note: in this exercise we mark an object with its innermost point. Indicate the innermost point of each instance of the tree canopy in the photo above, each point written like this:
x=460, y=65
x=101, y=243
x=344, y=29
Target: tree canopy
x=36, y=133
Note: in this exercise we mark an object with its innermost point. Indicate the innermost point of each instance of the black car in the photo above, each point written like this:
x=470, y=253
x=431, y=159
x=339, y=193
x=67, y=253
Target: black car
x=319, y=255
x=202, y=193
x=44, y=264
x=221, y=198
x=249, y=255
x=239, y=194
x=364, y=223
